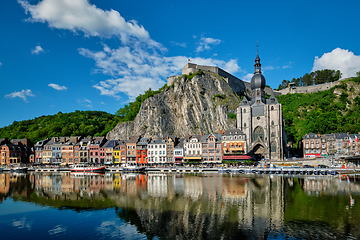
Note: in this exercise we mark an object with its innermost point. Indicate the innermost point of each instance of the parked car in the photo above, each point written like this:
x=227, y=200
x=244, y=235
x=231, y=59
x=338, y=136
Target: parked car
x=322, y=166
x=308, y=166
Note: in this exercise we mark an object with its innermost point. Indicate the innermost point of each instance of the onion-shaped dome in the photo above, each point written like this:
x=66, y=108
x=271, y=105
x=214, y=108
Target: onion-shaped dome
x=258, y=81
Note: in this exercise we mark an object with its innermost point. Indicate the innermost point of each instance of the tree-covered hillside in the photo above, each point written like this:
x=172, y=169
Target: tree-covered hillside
x=330, y=111
x=78, y=123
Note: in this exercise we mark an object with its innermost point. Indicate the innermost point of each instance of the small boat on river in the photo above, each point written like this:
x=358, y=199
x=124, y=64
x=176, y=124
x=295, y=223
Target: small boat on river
x=19, y=169
x=86, y=168
x=132, y=168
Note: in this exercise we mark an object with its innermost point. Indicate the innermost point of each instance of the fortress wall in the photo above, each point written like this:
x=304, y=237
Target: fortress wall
x=235, y=83
x=310, y=89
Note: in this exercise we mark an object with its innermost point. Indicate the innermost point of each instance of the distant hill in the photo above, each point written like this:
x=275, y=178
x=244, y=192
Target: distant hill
x=78, y=123
x=336, y=110
x=199, y=103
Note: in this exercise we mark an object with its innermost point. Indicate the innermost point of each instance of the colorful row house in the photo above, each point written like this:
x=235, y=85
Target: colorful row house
x=15, y=151
x=316, y=145
x=198, y=148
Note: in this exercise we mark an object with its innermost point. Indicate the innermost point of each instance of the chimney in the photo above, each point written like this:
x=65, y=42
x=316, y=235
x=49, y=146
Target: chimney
x=188, y=136
x=91, y=138
x=76, y=139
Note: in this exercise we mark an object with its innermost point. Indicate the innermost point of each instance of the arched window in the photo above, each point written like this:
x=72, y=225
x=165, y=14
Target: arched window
x=272, y=107
x=244, y=124
x=272, y=122
x=258, y=92
x=272, y=134
x=273, y=147
x=244, y=110
x=259, y=132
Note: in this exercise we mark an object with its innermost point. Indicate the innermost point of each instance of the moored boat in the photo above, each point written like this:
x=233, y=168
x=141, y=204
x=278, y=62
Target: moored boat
x=132, y=168
x=19, y=169
x=86, y=168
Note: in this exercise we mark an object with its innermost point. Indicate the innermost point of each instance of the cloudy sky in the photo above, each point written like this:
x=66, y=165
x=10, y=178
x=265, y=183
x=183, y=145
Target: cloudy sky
x=67, y=55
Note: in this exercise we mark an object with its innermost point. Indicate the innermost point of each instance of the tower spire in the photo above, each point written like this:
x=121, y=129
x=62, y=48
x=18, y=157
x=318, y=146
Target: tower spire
x=257, y=65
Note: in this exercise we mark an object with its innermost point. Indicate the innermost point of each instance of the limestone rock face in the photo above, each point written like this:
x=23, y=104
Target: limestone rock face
x=199, y=105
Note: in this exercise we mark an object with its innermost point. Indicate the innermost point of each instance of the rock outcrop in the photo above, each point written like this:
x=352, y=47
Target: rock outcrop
x=199, y=105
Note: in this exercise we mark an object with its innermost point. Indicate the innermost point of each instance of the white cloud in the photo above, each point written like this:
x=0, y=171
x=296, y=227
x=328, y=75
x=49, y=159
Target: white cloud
x=1, y=64
x=21, y=94
x=22, y=223
x=85, y=102
x=179, y=44
x=57, y=229
x=267, y=68
x=117, y=229
x=288, y=66
x=131, y=86
x=38, y=49
x=135, y=70
x=232, y=66
x=247, y=77
x=57, y=87
x=204, y=43
x=80, y=15
x=338, y=59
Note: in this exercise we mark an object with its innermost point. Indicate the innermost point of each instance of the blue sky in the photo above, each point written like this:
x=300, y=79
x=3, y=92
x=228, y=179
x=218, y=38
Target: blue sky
x=67, y=55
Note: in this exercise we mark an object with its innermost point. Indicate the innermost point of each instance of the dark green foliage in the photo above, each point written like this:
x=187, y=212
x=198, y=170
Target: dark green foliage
x=221, y=96
x=321, y=112
x=191, y=75
x=78, y=123
x=129, y=111
x=232, y=115
x=313, y=78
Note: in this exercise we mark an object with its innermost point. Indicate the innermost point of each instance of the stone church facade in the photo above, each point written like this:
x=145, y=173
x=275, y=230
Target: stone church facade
x=262, y=121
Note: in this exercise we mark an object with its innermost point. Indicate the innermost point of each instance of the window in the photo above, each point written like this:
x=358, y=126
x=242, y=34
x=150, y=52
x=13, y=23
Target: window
x=244, y=124
x=244, y=110
x=272, y=108
x=258, y=132
x=273, y=147
x=272, y=122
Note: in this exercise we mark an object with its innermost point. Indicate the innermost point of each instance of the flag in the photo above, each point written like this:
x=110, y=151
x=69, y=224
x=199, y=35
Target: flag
x=350, y=140
x=189, y=60
x=356, y=138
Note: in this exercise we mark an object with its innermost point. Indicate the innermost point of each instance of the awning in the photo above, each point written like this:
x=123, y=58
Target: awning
x=197, y=158
x=237, y=157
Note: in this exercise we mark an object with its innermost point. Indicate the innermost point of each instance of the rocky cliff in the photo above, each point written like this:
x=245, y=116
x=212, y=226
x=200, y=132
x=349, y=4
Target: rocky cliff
x=199, y=105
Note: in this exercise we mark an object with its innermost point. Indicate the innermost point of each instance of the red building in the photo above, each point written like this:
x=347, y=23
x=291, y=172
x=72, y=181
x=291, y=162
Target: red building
x=94, y=150
x=141, y=151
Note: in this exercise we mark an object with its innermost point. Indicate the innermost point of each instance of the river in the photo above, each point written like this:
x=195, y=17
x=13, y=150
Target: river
x=178, y=206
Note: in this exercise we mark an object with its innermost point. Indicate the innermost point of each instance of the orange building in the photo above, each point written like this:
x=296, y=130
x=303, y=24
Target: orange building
x=141, y=151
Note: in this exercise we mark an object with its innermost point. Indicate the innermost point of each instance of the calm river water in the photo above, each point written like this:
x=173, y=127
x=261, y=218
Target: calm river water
x=178, y=206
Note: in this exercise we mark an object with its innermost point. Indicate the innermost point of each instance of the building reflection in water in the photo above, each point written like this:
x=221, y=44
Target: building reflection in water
x=172, y=205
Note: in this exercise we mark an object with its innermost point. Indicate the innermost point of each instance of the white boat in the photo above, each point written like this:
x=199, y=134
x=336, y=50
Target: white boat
x=86, y=168
x=19, y=169
x=132, y=168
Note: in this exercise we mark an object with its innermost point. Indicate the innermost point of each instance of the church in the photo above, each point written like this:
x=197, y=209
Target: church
x=261, y=120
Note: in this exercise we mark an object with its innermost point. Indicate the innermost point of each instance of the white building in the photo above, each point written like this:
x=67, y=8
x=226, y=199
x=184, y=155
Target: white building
x=157, y=151
x=193, y=149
